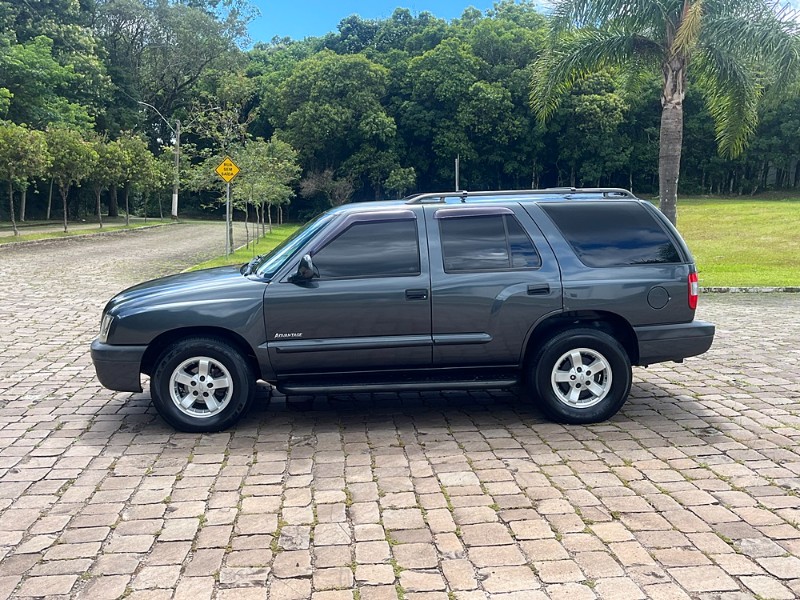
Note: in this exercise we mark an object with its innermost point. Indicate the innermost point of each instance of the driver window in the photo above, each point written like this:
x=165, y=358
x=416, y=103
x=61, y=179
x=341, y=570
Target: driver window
x=371, y=249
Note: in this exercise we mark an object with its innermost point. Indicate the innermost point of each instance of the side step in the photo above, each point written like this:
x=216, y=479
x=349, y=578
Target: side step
x=341, y=384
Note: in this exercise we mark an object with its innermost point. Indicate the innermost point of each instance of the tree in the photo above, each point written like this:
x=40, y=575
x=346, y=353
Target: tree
x=108, y=170
x=137, y=167
x=158, y=50
x=268, y=172
x=727, y=43
x=330, y=108
x=586, y=131
x=51, y=63
x=401, y=180
x=73, y=161
x=23, y=156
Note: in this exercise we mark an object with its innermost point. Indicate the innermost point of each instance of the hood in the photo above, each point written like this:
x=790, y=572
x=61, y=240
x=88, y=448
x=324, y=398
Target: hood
x=206, y=284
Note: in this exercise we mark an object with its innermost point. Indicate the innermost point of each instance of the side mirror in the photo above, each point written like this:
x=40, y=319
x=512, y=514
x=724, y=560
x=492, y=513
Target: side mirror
x=306, y=270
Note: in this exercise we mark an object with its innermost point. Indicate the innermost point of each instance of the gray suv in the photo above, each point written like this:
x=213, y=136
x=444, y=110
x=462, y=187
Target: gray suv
x=559, y=291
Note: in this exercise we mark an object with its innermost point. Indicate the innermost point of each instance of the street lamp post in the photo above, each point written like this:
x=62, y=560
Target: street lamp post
x=176, y=132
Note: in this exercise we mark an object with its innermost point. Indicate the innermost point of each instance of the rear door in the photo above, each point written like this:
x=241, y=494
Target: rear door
x=494, y=277
x=369, y=309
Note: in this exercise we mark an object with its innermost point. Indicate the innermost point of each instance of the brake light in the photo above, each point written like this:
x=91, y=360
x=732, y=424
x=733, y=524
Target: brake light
x=694, y=290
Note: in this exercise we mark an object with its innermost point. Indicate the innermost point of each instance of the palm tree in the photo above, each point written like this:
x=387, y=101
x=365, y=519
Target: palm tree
x=733, y=47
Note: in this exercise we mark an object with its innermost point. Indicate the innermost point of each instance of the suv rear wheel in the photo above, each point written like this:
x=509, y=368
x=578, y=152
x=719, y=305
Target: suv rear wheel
x=202, y=384
x=581, y=376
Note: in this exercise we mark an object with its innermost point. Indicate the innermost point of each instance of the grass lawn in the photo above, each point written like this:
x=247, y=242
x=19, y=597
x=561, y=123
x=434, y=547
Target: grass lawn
x=743, y=242
x=243, y=255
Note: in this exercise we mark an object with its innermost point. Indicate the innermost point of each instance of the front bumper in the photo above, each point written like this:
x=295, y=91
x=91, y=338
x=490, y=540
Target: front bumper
x=118, y=367
x=660, y=343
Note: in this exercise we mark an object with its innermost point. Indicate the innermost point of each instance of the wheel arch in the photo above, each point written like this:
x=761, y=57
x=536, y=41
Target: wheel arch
x=607, y=322
x=164, y=340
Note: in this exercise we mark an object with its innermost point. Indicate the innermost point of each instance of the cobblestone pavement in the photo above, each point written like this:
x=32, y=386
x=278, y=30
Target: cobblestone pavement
x=692, y=491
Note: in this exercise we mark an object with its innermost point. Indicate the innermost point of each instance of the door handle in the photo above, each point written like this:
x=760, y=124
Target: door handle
x=421, y=294
x=538, y=289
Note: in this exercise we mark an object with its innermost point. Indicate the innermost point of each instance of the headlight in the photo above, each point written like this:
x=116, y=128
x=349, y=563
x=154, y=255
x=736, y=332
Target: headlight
x=105, y=325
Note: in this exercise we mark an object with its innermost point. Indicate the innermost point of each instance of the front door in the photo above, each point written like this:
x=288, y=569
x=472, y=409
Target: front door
x=369, y=308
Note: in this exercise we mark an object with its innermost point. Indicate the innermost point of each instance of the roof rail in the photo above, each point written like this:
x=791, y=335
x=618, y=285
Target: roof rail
x=565, y=192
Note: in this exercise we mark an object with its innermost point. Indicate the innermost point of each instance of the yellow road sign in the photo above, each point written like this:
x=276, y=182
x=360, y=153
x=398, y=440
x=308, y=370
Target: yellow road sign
x=227, y=169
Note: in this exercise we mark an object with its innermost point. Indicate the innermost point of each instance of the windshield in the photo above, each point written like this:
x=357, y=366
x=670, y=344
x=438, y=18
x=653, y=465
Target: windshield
x=270, y=263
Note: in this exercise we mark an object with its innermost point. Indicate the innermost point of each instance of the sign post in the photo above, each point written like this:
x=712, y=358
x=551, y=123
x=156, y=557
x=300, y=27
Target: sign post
x=227, y=169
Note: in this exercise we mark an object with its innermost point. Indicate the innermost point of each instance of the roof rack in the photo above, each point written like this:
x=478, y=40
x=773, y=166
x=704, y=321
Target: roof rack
x=564, y=192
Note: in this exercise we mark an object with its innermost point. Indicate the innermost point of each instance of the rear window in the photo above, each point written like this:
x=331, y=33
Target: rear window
x=489, y=242
x=613, y=234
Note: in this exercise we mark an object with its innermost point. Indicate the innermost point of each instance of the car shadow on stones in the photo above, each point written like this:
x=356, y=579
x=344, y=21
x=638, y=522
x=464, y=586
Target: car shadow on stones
x=648, y=405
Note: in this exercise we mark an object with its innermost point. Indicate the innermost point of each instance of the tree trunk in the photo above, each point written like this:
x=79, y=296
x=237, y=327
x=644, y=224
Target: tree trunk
x=22, y=202
x=246, y=228
x=97, y=193
x=126, y=192
x=113, y=206
x=671, y=139
x=269, y=214
x=64, y=195
x=11, y=206
x=50, y=200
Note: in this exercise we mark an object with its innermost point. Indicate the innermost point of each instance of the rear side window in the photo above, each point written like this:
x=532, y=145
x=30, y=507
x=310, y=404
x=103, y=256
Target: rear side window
x=612, y=234
x=371, y=249
x=491, y=242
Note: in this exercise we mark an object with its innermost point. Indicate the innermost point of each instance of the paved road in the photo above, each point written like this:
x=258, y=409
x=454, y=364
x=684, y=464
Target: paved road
x=692, y=491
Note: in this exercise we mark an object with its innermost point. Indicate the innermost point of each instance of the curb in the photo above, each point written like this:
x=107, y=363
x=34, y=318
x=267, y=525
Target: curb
x=79, y=236
x=751, y=290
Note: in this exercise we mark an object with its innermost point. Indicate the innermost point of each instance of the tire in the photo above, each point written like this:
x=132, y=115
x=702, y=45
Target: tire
x=570, y=393
x=228, y=385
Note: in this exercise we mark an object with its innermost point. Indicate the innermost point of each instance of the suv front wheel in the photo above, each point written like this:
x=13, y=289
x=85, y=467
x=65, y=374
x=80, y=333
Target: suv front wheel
x=581, y=376
x=202, y=384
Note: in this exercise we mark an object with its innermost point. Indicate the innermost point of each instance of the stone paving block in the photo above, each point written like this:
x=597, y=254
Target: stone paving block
x=496, y=580
x=618, y=588
x=333, y=578
x=290, y=589
x=333, y=595
x=495, y=556
x=331, y=556
x=242, y=576
x=157, y=577
x=703, y=579
x=99, y=588
x=416, y=556
x=372, y=552
x=383, y=592
x=48, y=585
x=784, y=567
x=292, y=564
x=421, y=581
x=194, y=588
x=374, y=574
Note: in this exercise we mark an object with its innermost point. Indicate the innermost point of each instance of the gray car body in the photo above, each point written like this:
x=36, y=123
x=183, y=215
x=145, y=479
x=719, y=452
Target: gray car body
x=434, y=329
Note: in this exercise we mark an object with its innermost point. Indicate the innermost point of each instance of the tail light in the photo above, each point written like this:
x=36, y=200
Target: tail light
x=694, y=290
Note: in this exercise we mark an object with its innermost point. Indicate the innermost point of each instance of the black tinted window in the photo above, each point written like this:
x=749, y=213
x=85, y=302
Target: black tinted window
x=609, y=234
x=523, y=254
x=478, y=243
x=372, y=249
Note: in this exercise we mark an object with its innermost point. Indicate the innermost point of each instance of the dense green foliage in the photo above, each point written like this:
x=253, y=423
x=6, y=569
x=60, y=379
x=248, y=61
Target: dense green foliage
x=376, y=109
